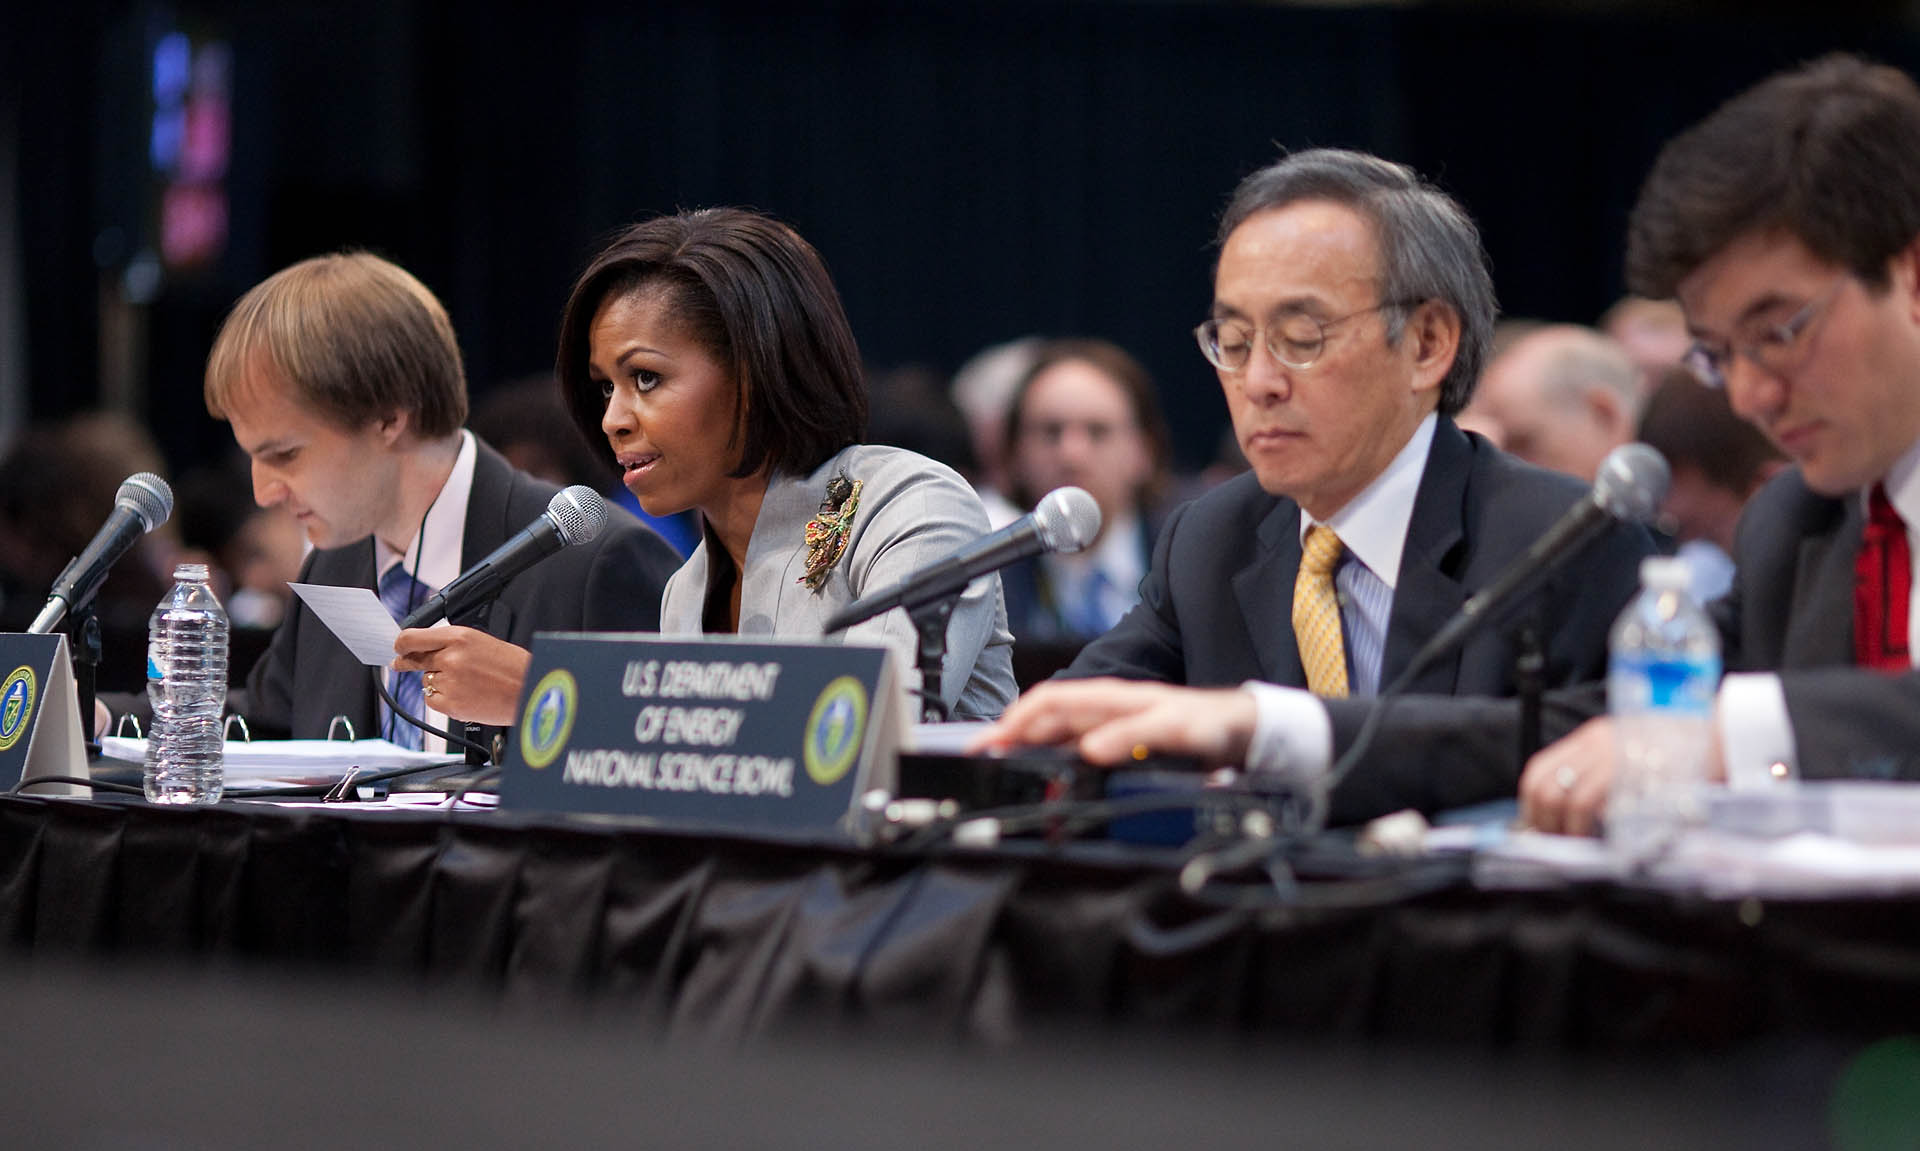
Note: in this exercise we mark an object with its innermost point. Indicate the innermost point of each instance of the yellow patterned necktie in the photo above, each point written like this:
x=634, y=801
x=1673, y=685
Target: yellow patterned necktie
x=1316, y=615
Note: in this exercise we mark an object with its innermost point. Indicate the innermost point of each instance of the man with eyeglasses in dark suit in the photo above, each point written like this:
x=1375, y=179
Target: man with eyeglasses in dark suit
x=1351, y=316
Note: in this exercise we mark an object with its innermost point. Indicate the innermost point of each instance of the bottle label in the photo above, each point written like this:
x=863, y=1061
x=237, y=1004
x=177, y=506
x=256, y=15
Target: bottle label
x=1685, y=685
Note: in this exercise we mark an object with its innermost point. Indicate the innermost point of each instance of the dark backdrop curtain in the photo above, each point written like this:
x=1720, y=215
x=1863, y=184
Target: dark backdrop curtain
x=971, y=172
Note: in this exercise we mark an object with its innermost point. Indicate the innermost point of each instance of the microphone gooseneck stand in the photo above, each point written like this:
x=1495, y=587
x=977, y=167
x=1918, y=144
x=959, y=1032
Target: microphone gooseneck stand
x=930, y=620
x=84, y=633
x=1463, y=627
x=1529, y=681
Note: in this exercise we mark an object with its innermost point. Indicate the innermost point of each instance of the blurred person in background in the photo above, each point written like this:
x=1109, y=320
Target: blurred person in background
x=1718, y=459
x=983, y=390
x=57, y=487
x=1562, y=397
x=1474, y=417
x=1228, y=461
x=254, y=552
x=1086, y=415
x=912, y=408
x=1654, y=333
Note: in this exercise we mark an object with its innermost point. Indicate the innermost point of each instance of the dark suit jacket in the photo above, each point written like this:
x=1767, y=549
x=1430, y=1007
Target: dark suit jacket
x=1791, y=611
x=611, y=584
x=1217, y=609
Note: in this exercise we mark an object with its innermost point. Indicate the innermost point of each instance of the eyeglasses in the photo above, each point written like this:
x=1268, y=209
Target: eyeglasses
x=1770, y=347
x=1049, y=433
x=1296, y=339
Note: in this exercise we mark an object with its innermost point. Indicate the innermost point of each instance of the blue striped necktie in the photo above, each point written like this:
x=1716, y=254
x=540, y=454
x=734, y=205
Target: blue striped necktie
x=399, y=594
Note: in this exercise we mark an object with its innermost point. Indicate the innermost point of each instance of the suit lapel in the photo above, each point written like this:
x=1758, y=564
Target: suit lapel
x=359, y=559
x=328, y=680
x=488, y=525
x=1427, y=595
x=1265, y=591
x=771, y=587
x=1820, y=620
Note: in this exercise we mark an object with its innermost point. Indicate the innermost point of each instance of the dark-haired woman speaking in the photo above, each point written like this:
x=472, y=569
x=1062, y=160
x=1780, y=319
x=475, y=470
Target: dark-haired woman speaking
x=710, y=350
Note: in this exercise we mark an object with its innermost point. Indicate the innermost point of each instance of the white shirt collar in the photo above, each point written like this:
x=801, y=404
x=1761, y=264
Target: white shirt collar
x=434, y=554
x=1373, y=525
x=1903, y=487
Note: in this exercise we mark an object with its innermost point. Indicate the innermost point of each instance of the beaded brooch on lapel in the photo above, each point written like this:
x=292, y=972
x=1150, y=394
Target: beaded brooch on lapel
x=827, y=532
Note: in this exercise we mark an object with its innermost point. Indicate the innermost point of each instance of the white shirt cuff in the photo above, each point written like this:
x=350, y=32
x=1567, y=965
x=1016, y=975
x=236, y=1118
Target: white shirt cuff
x=1756, y=735
x=1292, y=733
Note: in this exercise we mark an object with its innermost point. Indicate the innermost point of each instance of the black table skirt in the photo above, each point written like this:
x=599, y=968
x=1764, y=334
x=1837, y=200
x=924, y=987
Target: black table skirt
x=728, y=937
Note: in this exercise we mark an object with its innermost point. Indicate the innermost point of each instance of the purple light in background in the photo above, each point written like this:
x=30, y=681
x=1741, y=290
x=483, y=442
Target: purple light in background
x=191, y=146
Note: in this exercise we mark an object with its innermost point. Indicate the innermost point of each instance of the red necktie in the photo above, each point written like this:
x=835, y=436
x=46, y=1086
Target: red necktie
x=1882, y=587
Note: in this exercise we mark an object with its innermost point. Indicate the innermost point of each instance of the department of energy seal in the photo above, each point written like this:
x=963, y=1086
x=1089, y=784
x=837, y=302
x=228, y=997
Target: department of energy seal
x=16, y=706
x=548, y=720
x=835, y=730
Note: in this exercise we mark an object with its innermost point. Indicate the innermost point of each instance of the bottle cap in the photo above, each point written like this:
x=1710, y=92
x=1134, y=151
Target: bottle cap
x=1665, y=573
x=190, y=573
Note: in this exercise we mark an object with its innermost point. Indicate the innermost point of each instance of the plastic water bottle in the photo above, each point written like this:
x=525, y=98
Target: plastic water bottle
x=187, y=684
x=1662, y=674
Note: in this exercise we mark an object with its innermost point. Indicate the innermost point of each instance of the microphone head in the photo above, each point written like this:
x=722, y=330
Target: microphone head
x=1067, y=519
x=1631, y=483
x=146, y=496
x=579, y=512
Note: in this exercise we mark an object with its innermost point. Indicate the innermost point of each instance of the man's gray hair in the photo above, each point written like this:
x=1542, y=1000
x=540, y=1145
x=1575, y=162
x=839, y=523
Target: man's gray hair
x=1429, y=246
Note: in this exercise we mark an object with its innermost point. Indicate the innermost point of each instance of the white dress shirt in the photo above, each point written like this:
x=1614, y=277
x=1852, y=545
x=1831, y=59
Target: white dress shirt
x=434, y=554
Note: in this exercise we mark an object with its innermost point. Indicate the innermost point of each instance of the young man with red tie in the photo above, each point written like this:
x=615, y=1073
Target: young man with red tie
x=1788, y=226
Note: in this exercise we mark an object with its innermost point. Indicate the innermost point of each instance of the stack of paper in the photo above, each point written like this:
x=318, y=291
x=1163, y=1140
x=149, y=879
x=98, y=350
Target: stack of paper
x=295, y=762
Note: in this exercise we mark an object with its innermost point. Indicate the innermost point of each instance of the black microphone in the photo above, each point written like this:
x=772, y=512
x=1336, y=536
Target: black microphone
x=142, y=504
x=1065, y=520
x=1629, y=487
x=575, y=516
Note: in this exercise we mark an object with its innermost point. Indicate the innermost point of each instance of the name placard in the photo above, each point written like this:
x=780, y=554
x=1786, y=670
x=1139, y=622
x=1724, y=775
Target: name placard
x=720, y=732
x=39, y=714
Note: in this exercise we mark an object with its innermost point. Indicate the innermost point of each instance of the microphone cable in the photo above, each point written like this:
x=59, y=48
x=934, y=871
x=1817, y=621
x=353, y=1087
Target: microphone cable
x=79, y=780
x=1067, y=819
x=398, y=712
x=1318, y=795
x=1261, y=836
